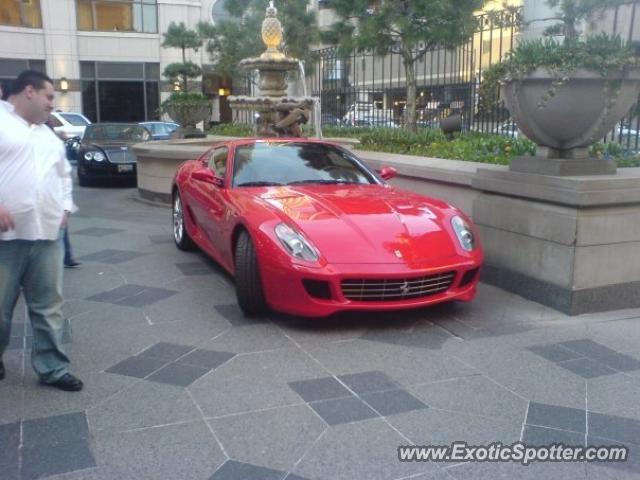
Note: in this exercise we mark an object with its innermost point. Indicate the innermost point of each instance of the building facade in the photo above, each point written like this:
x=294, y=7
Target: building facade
x=105, y=56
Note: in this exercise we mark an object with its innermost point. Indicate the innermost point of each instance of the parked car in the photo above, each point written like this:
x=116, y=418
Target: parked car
x=68, y=124
x=160, y=130
x=307, y=229
x=105, y=151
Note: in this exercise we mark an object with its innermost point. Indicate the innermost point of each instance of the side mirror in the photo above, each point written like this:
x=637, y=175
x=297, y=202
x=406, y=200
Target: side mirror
x=207, y=176
x=387, y=173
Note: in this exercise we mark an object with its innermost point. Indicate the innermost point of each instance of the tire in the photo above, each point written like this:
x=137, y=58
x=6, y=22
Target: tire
x=180, y=235
x=249, y=291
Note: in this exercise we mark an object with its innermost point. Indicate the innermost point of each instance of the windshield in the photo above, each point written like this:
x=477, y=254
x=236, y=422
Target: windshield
x=263, y=164
x=75, y=119
x=122, y=132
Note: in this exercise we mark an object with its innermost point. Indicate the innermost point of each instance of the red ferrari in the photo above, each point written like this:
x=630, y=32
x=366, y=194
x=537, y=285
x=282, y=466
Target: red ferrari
x=307, y=229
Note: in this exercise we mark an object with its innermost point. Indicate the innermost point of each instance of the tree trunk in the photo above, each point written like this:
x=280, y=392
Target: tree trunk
x=410, y=72
x=184, y=74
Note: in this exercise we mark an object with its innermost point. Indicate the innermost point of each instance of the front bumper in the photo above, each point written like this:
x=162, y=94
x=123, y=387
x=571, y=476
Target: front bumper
x=285, y=291
x=106, y=169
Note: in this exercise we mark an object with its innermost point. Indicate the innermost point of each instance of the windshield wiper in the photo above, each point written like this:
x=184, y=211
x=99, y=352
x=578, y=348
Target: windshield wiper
x=259, y=184
x=326, y=182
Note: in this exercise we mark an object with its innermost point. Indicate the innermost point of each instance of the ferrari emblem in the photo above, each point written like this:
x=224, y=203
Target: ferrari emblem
x=398, y=253
x=404, y=288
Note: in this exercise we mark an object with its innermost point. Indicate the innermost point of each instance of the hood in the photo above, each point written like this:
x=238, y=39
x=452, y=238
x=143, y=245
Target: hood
x=366, y=223
x=108, y=143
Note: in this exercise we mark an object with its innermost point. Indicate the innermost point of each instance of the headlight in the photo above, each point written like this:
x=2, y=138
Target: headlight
x=94, y=155
x=295, y=243
x=464, y=233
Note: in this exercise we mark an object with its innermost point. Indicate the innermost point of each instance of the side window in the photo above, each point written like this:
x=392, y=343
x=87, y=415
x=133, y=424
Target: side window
x=218, y=161
x=54, y=121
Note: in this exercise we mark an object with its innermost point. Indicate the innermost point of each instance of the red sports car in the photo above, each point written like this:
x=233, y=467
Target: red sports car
x=307, y=229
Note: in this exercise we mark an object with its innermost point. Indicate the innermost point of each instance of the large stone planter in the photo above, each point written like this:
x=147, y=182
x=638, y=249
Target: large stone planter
x=581, y=112
x=188, y=115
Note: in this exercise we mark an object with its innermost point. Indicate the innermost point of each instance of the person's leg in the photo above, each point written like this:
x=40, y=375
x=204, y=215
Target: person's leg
x=12, y=261
x=42, y=286
x=68, y=257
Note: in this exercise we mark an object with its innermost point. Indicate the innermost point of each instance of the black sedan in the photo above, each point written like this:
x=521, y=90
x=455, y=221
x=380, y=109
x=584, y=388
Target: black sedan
x=105, y=151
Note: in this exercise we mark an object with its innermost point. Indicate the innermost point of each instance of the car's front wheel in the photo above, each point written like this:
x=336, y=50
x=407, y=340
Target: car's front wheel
x=180, y=234
x=248, y=281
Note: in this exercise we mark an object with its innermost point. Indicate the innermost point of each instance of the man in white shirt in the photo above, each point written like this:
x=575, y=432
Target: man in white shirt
x=35, y=200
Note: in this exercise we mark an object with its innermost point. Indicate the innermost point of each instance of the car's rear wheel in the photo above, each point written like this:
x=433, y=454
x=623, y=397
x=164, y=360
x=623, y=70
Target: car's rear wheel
x=180, y=234
x=249, y=289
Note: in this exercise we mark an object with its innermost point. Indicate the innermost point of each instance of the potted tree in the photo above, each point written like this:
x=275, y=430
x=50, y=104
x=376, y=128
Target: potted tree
x=565, y=94
x=184, y=107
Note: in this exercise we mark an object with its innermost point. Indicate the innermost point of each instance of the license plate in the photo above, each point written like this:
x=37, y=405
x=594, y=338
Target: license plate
x=125, y=168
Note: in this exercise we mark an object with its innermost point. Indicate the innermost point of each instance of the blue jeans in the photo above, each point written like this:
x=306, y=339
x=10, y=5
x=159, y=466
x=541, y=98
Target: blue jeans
x=68, y=255
x=36, y=267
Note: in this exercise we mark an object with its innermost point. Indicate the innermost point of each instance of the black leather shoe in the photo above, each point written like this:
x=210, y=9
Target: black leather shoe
x=71, y=264
x=2, y=372
x=68, y=383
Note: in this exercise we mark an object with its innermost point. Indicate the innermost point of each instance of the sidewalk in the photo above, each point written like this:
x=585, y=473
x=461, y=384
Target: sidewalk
x=179, y=385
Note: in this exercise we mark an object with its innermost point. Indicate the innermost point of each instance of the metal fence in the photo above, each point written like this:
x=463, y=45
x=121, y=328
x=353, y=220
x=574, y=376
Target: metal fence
x=368, y=89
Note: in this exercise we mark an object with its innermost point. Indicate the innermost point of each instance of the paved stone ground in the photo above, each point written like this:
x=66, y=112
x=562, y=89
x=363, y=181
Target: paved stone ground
x=180, y=386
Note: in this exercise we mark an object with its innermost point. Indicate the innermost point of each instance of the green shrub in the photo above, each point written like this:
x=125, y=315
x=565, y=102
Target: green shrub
x=431, y=142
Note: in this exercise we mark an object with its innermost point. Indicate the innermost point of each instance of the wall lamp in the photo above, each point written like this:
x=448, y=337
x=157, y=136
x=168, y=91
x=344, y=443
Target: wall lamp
x=223, y=92
x=64, y=85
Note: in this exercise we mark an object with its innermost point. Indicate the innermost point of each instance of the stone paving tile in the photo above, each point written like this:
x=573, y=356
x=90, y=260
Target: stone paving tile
x=62, y=458
x=587, y=368
x=392, y=402
x=476, y=395
x=319, y=389
x=194, y=268
x=177, y=452
x=554, y=352
x=168, y=238
x=627, y=470
x=362, y=450
x=621, y=429
x=111, y=256
x=97, y=231
x=147, y=297
x=206, y=358
x=540, y=436
x=39, y=433
x=138, y=367
x=10, y=441
x=233, y=470
x=235, y=317
x=179, y=375
x=367, y=382
x=283, y=435
x=342, y=410
x=588, y=348
x=143, y=404
x=620, y=362
x=553, y=416
x=166, y=351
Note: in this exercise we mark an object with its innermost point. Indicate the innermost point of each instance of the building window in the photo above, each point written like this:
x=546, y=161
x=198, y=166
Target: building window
x=10, y=68
x=21, y=13
x=117, y=15
x=120, y=92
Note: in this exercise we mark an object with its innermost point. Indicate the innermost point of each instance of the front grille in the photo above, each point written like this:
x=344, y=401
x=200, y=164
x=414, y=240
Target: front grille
x=388, y=290
x=116, y=155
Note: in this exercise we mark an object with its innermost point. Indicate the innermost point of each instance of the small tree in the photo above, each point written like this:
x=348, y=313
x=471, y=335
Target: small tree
x=179, y=36
x=409, y=28
x=230, y=41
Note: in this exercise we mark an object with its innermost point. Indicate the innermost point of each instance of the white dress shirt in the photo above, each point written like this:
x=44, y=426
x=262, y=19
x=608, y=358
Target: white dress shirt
x=35, y=178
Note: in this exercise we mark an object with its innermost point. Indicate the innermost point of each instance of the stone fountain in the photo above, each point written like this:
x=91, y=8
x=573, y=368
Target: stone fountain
x=279, y=115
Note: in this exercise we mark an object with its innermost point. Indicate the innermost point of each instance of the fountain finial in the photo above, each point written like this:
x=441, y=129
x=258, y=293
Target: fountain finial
x=272, y=33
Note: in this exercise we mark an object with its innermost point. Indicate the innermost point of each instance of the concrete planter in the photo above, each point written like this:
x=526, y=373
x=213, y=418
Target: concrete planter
x=581, y=112
x=188, y=115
